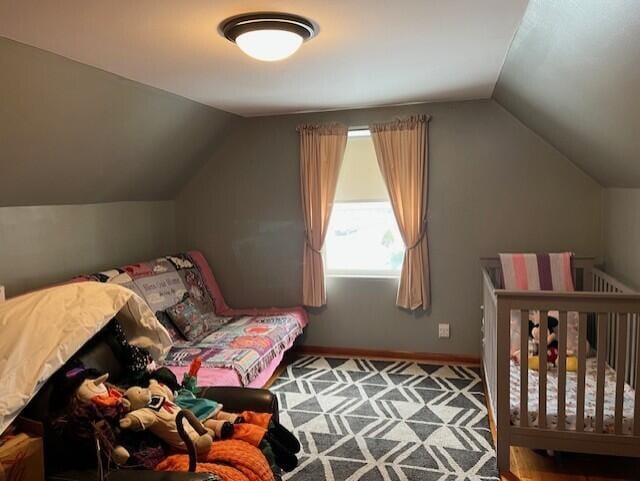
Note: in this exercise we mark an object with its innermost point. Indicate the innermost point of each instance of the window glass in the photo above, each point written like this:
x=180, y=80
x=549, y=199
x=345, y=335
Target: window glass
x=363, y=238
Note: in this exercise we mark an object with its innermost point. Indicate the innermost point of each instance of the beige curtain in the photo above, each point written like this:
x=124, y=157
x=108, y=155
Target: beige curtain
x=321, y=152
x=401, y=149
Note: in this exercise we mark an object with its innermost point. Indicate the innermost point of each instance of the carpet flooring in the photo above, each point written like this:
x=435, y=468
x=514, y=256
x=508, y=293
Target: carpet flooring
x=385, y=420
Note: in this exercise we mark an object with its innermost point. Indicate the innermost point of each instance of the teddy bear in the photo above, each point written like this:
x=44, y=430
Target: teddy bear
x=153, y=408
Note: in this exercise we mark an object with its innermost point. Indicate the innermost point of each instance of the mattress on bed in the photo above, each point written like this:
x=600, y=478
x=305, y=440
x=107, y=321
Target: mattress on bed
x=247, y=345
x=571, y=398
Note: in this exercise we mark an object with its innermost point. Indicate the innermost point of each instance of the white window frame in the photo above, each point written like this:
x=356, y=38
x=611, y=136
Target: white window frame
x=360, y=273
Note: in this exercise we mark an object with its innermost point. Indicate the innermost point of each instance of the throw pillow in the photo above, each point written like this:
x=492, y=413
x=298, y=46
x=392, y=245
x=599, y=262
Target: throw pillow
x=192, y=323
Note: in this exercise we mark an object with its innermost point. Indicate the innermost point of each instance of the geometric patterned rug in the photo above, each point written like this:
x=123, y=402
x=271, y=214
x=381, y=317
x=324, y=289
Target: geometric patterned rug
x=374, y=420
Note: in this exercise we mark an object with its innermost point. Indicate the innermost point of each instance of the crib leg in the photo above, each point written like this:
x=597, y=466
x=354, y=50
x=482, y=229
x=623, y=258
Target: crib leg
x=503, y=455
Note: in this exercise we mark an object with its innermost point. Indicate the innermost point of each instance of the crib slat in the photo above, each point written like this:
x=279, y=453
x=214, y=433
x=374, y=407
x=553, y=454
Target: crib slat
x=620, y=371
x=524, y=368
x=631, y=349
x=601, y=360
x=582, y=357
x=634, y=354
x=542, y=356
x=562, y=368
x=636, y=408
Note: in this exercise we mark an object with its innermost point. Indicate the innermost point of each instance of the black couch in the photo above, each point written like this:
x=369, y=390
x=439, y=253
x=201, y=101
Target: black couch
x=105, y=357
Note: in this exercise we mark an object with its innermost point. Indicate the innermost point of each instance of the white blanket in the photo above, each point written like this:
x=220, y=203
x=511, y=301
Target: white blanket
x=41, y=331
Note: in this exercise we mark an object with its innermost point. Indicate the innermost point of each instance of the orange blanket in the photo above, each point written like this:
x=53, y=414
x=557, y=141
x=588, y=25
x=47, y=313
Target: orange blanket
x=231, y=460
x=253, y=429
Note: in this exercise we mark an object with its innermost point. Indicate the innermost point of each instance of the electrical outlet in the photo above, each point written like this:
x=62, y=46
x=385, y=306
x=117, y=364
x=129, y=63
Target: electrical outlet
x=1, y=293
x=443, y=331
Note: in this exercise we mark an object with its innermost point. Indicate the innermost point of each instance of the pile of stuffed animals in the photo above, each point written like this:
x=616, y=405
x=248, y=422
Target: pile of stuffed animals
x=138, y=427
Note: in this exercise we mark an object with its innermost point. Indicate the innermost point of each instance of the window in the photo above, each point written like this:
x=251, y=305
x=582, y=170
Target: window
x=363, y=237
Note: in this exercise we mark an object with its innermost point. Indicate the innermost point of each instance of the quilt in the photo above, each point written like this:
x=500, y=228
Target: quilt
x=247, y=345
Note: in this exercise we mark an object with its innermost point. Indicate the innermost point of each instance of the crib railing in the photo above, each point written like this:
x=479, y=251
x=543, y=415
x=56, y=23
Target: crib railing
x=582, y=270
x=602, y=322
x=610, y=310
x=603, y=282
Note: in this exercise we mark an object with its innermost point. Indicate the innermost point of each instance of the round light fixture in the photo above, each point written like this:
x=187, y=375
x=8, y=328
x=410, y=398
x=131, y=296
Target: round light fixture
x=268, y=36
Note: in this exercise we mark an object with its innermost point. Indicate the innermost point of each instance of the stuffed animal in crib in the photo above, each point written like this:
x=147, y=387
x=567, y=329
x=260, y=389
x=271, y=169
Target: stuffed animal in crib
x=550, y=345
x=153, y=408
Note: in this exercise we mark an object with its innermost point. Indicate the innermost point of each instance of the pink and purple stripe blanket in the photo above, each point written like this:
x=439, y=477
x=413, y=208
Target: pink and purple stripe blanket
x=537, y=272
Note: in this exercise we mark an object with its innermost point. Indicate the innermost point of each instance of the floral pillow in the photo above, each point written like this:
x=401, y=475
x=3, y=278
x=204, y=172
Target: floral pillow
x=192, y=323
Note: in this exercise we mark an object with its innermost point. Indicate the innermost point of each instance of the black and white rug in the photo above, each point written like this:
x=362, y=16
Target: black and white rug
x=371, y=420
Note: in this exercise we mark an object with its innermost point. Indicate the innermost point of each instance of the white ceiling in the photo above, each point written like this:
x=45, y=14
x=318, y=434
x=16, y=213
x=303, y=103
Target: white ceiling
x=368, y=52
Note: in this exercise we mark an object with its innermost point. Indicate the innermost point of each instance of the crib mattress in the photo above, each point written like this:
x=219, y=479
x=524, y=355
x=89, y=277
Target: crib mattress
x=571, y=398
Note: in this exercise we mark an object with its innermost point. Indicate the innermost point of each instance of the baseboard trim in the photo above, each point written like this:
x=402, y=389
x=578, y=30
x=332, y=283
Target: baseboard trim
x=413, y=356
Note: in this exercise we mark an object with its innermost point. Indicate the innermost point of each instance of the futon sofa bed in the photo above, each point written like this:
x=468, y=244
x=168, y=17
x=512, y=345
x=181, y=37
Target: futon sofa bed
x=247, y=344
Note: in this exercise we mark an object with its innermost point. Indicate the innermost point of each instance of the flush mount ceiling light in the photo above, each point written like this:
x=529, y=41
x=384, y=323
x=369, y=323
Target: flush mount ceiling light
x=268, y=36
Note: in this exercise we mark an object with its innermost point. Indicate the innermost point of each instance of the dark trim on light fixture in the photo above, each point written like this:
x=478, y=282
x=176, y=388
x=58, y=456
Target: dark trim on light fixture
x=233, y=27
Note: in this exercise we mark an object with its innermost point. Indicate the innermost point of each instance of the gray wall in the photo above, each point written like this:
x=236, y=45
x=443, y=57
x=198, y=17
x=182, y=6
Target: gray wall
x=572, y=75
x=40, y=245
x=569, y=76
x=622, y=234
x=72, y=134
x=494, y=186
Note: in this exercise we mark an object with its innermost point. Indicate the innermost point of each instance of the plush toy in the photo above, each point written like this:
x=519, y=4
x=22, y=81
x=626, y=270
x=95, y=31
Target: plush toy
x=96, y=392
x=258, y=429
x=221, y=423
x=85, y=409
x=153, y=408
x=551, y=346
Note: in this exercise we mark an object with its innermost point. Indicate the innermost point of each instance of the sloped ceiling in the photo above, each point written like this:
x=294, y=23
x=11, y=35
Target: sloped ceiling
x=573, y=74
x=70, y=133
x=368, y=52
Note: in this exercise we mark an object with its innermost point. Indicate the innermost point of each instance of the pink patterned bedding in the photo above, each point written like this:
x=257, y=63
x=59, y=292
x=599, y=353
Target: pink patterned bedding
x=248, y=345
x=243, y=351
x=224, y=376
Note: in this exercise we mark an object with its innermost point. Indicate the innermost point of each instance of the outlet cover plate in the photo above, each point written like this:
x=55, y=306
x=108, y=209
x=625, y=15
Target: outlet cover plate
x=443, y=331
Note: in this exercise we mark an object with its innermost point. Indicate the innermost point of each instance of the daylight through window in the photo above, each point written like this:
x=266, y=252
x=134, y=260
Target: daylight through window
x=363, y=237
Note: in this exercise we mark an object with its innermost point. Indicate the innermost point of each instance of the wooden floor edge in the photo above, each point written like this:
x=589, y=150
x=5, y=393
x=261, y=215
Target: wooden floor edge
x=414, y=356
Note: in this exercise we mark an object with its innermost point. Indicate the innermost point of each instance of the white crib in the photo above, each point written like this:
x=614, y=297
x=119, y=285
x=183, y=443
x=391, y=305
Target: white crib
x=608, y=315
